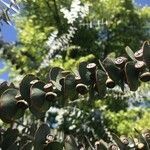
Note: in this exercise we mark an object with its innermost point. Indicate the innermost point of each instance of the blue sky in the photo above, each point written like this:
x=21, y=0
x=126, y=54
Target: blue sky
x=9, y=34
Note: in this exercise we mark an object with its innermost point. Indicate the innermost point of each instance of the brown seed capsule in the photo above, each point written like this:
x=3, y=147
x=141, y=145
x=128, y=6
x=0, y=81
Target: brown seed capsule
x=140, y=65
x=146, y=135
x=50, y=96
x=113, y=147
x=48, y=87
x=120, y=61
x=110, y=83
x=22, y=104
x=33, y=82
x=124, y=140
x=78, y=79
x=81, y=88
x=49, y=138
x=91, y=67
x=139, y=55
x=145, y=77
x=18, y=97
x=141, y=146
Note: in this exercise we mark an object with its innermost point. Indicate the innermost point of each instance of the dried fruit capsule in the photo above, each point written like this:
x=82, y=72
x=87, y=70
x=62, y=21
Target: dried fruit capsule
x=81, y=88
x=139, y=55
x=110, y=83
x=50, y=96
x=113, y=147
x=120, y=61
x=140, y=65
x=124, y=140
x=78, y=79
x=49, y=138
x=22, y=104
x=141, y=146
x=48, y=87
x=18, y=97
x=91, y=67
x=146, y=134
x=145, y=77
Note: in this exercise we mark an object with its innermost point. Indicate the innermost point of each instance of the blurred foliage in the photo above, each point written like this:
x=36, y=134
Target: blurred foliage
x=124, y=122
x=7, y=9
x=118, y=19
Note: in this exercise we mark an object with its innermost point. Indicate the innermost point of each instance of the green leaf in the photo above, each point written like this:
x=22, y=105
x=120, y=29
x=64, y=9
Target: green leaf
x=3, y=86
x=146, y=53
x=40, y=136
x=54, y=72
x=130, y=53
x=25, y=87
x=113, y=71
x=38, y=99
x=84, y=73
x=70, y=143
x=38, y=114
x=9, y=137
x=143, y=140
x=27, y=146
x=70, y=85
x=8, y=105
x=132, y=76
x=118, y=141
x=101, y=78
x=54, y=146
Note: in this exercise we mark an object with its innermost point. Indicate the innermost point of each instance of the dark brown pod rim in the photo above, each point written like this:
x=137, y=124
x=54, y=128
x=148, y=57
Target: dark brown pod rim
x=145, y=77
x=50, y=96
x=48, y=87
x=22, y=104
x=139, y=54
x=140, y=65
x=120, y=61
x=110, y=83
x=81, y=88
x=91, y=67
x=18, y=97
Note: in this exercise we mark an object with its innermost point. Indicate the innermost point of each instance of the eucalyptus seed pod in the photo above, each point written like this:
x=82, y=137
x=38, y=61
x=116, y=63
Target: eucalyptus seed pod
x=146, y=135
x=141, y=146
x=65, y=73
x=50, y=96
x=145, y=76
x=120, y=62
x=124, y=140
x=18, y=97
x=139, y=55
x=113, y=147
x=48, y=87
x=91, y=67
x=81, y=88
x=140, y=65
x=49, y=138
x=22, y=104
x=78, y=79
x=33, y=82
x=110, y=83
